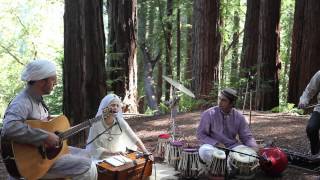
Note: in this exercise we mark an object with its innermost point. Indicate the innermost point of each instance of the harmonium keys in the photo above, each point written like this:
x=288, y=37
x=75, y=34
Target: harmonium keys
x=131, y=170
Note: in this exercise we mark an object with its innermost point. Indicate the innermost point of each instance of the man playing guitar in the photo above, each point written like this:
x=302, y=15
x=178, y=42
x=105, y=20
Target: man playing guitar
x=40, y=76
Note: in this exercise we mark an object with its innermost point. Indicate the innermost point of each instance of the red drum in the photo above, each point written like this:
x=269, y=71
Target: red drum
x=172, y=154
x=189, y=164
x=163, y=140
x=274, y=160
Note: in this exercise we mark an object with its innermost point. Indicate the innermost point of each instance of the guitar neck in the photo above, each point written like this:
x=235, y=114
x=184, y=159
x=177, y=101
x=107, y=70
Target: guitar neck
x=76, y=129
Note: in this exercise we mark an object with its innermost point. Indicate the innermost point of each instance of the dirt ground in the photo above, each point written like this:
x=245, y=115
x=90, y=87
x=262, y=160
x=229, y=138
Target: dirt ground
x=286, y=130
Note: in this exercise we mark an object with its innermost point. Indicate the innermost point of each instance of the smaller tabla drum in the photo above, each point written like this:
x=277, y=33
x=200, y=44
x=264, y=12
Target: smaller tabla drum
x=189, y=165
x=163, y=140
x=242, y=165
x=218, y=163
x=172, y=154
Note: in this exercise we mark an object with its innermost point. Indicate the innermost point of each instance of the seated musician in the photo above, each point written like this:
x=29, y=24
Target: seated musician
x=40, y=76
x=112, y=135
x=313, y=126
x=220, y=125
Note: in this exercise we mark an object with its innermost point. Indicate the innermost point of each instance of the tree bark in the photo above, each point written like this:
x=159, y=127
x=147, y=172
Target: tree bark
x=84, y=66
x=168, y=40
x=122, y=51
x=305, y=56
x=249, y=54
x=205, y=46
x=267, y=90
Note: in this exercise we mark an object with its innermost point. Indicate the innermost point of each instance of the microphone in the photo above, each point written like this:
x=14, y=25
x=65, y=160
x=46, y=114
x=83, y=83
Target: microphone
x=117, y=121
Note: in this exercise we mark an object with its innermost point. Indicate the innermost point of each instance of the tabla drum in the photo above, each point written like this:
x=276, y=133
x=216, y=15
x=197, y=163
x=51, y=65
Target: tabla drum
x=242, y=165
x=163, y=140
x=172, y=154
x=189, y=165
x=218, y=163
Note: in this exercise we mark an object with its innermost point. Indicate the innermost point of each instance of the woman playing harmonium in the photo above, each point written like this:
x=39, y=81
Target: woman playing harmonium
x=112, y=135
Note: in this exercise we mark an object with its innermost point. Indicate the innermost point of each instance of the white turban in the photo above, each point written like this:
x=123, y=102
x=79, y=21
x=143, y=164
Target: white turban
x=106, y=101
x=37, y=70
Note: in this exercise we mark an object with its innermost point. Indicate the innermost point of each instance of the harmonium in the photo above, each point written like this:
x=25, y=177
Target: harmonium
x=138, y=168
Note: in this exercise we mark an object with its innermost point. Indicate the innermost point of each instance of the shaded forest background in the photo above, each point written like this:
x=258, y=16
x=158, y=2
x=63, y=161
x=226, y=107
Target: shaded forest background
x=266, y=49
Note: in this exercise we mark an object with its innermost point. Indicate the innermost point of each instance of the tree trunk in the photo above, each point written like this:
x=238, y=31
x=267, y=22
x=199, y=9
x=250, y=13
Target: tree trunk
x=267, y=90
x=234, y=78
x=188, y=72
x=305, y=56
x=249, y=54
x=205, y=46
x=148, y=62
x=168, y=40
x=178, y=43
x=122, y=56
x=84, y=66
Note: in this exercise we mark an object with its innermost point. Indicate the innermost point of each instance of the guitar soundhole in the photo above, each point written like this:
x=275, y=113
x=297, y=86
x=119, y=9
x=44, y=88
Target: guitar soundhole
x=52, y=152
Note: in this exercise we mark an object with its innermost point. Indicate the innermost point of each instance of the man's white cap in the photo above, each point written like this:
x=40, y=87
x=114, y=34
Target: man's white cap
x=37, y=70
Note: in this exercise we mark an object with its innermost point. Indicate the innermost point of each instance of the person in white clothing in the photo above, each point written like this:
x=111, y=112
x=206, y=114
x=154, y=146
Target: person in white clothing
x=112, y=135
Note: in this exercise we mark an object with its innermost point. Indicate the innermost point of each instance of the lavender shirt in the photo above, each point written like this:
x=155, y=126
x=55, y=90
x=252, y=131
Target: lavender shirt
x=217, y=127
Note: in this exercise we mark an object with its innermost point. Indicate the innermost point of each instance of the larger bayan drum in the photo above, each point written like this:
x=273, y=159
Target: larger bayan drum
x=243, y=162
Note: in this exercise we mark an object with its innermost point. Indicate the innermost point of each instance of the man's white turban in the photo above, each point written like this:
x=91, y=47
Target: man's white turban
x=37, y=70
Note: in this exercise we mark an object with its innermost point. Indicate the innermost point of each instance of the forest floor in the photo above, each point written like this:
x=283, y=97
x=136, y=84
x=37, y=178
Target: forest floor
x=286, y=130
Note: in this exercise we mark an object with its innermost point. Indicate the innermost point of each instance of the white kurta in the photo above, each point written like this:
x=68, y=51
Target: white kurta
x=112, y=140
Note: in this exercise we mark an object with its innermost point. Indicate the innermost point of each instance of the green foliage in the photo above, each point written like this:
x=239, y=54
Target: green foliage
x=29, y=32
x=287, y=108
x=187, y=104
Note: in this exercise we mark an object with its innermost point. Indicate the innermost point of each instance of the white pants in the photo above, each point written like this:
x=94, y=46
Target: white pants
x=206, y=153
x=77, y=165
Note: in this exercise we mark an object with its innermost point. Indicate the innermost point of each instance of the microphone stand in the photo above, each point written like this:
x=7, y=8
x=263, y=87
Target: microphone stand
x=146, y=157
x=226, y=173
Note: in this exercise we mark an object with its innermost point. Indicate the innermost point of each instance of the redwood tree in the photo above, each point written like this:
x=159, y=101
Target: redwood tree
x=205, y=45
x=305, y=54
x=122, y=65
x=267, y=87
x=84, y=65
x=249, y=54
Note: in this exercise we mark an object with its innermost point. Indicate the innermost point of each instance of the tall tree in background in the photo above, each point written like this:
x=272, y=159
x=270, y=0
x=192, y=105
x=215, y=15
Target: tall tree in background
x=234, y=78
x=249, y=54
x=122, y=51
x=168, y=40
x=205, y=45
x=149, y=61
x=178, y=61
x=188, y=68
x=84, y=65
x=305, y=55
x=267, y=87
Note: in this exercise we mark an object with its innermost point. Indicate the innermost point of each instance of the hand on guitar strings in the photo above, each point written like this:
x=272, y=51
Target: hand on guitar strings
x=52, y=140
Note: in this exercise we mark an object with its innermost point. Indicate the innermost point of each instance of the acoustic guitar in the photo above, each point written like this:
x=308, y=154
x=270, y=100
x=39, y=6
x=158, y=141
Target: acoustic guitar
x=31, y=162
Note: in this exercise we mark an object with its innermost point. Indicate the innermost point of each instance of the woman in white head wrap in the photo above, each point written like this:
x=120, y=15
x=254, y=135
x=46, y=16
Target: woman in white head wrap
x=112, y=135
